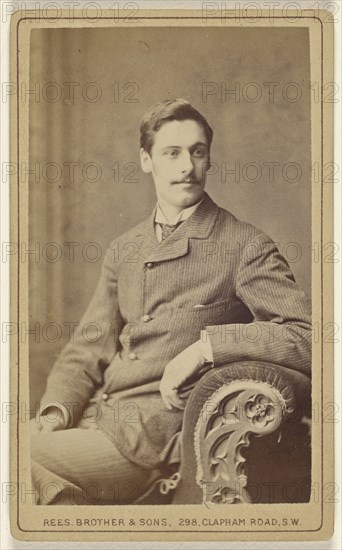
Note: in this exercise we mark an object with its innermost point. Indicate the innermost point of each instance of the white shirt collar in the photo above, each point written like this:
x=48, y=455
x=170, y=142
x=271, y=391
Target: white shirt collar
x=181, y=217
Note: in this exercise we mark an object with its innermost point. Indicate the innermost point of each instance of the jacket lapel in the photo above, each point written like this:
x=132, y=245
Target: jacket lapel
x=198, y=226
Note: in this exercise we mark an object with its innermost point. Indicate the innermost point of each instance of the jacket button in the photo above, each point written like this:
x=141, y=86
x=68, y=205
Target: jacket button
x=146, y=318
x=149, y=265
x=105, y=396
x=133, y=355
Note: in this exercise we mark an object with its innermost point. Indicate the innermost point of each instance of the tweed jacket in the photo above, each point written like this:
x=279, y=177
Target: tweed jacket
x=153, y=300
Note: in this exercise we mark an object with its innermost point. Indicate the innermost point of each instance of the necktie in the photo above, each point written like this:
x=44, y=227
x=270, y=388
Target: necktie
x=167, y=229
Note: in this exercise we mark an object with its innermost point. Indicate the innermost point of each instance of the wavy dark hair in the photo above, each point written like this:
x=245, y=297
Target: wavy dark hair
x=165, y=111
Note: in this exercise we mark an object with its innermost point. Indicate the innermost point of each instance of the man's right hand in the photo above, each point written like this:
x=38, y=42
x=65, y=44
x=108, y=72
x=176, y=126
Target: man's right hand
x=50, y=420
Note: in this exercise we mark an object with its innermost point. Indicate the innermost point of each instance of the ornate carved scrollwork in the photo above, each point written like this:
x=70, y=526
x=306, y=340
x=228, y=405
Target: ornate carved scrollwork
x=228, y=419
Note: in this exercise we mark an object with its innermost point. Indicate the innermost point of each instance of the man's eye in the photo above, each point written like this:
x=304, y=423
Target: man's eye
x=172, y=153
x=199, y=153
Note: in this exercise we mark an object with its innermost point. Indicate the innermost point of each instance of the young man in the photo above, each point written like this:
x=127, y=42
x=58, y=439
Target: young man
x=171, y=296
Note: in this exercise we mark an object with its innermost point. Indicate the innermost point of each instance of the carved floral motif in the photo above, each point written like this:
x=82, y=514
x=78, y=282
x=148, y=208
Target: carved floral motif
x=259, y=409
x=237, y=410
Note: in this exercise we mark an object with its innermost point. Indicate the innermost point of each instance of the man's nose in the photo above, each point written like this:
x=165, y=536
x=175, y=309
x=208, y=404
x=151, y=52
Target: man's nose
x=187, y=164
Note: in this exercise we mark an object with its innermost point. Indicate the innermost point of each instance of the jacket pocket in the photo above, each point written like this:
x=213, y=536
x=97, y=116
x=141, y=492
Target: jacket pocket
x=217, y=312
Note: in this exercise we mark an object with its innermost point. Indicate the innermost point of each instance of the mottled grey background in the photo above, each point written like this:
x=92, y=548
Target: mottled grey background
x=145, y=65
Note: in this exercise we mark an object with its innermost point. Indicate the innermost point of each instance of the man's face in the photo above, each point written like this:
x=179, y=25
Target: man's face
x=178, y=162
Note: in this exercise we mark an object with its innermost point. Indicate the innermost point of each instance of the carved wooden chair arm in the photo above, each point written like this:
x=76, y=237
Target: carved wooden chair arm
x=227, y=406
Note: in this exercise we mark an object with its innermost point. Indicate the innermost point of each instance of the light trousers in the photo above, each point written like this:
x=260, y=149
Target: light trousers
x=82, y=466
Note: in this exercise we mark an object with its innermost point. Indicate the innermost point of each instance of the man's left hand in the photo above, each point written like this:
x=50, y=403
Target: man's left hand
x=178, y=370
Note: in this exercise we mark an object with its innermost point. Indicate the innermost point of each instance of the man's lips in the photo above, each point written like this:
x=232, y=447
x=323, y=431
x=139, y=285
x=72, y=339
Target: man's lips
x=186, y=182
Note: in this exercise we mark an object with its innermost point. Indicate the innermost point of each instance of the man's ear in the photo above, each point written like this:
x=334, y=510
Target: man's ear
x=145, y=161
